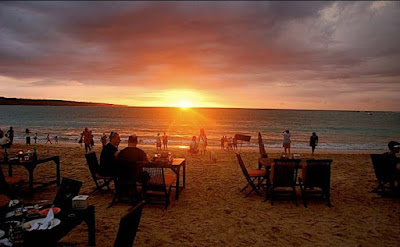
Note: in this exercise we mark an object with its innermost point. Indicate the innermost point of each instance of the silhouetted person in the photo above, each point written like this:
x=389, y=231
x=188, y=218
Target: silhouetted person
x=313, y=142
x=10, y=133
x=108, y=155
x=48, y=139
x=286, y=141
x=165, y=141
x=27, y=137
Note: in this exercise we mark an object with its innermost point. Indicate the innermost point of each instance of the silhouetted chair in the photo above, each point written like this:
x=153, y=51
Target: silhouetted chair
x=99, y=180
x=128, y=226
x=283, y=175
x=251, y=176
x=126, y=182
x=316, y=179
x=69, y=189
x=158, y=189
x=9, y=185
x=385, y=167
x=261, y=147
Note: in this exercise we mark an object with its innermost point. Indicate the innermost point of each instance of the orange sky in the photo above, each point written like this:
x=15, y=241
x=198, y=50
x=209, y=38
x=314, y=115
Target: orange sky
x=285, y=55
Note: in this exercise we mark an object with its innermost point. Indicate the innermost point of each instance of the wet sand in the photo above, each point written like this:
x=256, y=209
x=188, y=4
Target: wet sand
x=211, y=211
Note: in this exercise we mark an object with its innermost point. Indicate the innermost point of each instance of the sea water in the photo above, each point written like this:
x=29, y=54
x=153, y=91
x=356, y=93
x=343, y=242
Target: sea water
x=341, y=130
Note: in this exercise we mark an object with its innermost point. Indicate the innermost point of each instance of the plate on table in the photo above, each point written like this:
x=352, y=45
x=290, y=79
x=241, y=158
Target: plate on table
x=54, y=222
x=2, y=233
x=45, y=211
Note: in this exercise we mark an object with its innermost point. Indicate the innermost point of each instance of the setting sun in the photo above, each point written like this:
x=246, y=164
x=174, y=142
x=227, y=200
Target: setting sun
x=185, y=104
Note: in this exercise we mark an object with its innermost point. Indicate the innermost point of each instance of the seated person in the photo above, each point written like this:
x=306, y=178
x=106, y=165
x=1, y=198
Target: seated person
x=394, y=148
x=108, y=155
x=193, y=148
x=132, y=152
x=4, y=140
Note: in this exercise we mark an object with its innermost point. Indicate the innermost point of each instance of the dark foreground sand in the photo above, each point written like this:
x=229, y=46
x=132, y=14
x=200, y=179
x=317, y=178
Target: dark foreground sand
x=212, y=212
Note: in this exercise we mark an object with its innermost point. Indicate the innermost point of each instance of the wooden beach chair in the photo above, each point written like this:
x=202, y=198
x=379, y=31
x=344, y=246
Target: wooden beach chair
x=10, y=185
x=158, y=189
x=251, y=176
x=99, y=180
x=69, y=189
x=126, y=182
x=385, y=168
x=316, y=179
x=261, y=146
x=283, y=175
x=128, y=226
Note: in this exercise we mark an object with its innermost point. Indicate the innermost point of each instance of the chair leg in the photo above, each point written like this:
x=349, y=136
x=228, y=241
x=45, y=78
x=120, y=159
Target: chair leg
x=295, y=195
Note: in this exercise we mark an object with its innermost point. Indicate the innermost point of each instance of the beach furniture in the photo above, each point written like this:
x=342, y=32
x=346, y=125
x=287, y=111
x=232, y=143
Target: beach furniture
x=283, y=174
x=94, y=167
x=316, y=179
x=128, y=226
x=69, y=189
x=30, y=166
x=9, y=184
x=158, y=188
x=251, y=177
x=261, y=147
x=385, y=167
x=126, y=182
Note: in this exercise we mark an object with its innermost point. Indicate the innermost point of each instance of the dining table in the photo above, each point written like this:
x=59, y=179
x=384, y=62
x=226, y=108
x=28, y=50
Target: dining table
x=30, y=166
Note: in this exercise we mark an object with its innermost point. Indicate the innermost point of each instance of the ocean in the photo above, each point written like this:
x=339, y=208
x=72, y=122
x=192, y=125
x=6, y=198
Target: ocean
x=337, y=130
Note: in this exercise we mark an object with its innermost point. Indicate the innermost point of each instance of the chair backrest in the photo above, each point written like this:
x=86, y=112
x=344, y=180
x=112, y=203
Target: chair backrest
x=384, y=166
x=92, y=162
x=284, y=172
x=156, y=174
x=128, y=226
x=69, y=189
x=317, y=173
x=261, y=146
x=3, y=182
x=243, y=167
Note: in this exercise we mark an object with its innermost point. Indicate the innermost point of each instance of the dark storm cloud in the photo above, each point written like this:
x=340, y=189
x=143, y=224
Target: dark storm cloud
x=196, y=44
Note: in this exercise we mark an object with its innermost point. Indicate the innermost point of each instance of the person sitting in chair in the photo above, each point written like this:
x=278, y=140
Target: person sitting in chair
x=394, y=148
x=108, y=155
x=132, y=152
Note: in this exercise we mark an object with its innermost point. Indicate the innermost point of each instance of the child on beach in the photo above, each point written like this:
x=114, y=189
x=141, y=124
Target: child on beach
x=193, y=149
x=48, y=139
x=35, y=138
x=56, y=139
x=202, y=142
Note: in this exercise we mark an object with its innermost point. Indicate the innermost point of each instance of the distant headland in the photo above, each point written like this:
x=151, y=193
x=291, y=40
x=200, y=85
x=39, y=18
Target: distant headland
x=45, y=102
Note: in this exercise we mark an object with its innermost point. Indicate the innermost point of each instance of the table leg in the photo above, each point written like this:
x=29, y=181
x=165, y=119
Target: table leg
x=91, y=222
x=184, y=174
x=30, y=180
x=177, y=184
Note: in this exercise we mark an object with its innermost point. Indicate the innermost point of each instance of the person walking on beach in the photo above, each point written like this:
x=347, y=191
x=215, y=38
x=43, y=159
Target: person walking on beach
x=10, y=133
x=56, y=139
x=165, y=141
x=81, y=139
x=108, y=155
x=35, y=138
x=286, y=141
x=103, y=139
x=87, y=139
x=27, y=137
x=234, y=143
x=48, y=139
x=313, y=142
x=158, y=142
x=202, y=142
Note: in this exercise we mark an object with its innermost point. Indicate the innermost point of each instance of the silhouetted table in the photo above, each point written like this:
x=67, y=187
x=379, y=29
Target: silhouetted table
x=30, y=166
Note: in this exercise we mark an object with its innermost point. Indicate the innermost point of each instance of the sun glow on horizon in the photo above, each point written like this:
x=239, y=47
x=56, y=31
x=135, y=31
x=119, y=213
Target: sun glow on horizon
x=185, y=104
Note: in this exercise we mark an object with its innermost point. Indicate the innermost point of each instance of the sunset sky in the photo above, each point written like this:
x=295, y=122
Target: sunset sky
x=285, y=55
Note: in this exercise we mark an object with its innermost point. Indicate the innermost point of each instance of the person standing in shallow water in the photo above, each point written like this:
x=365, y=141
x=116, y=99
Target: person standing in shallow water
x=27, y=137
x=165, y=141
x=202, y=142
x=286, y=141
x=10, y=133
x=158, y=141
x=48, y=139
x=313, y=142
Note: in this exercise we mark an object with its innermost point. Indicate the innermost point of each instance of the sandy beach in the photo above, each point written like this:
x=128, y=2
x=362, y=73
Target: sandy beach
x=211, y=211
